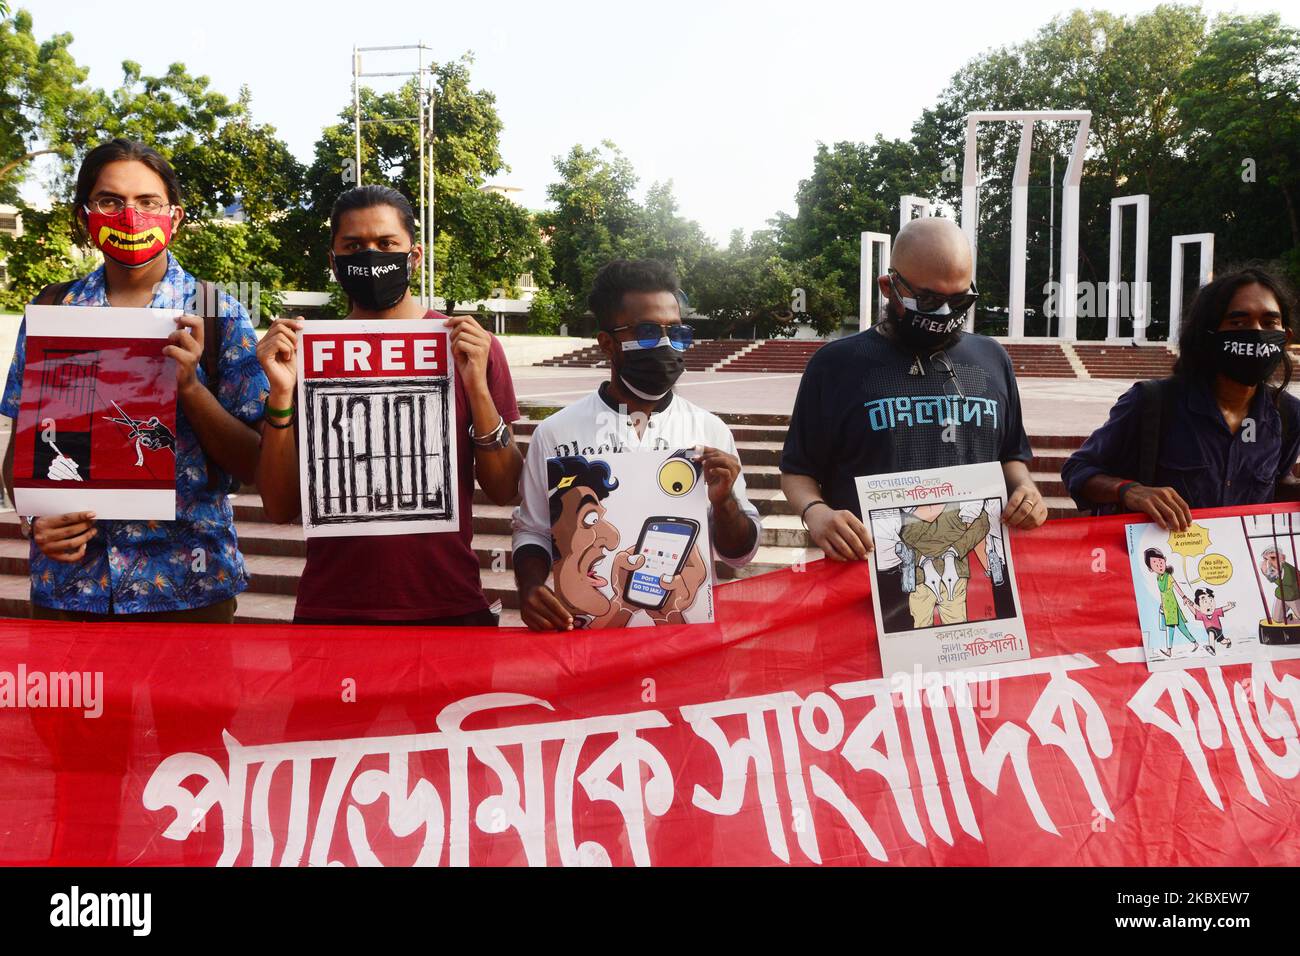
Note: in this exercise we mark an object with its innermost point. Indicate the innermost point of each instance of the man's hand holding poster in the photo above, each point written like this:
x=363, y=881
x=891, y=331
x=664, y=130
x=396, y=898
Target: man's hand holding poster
x=630, y=539
x=97, y=424
x=943, y=584
x=377, y=452
x=1223, y=591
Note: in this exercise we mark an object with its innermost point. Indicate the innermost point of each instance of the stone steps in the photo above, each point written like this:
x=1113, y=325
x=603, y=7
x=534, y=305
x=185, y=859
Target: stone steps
x=275, y=554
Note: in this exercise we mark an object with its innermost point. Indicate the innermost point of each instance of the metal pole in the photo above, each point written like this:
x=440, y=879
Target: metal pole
x=356, y=115
x=433, y=180
x=419, y=159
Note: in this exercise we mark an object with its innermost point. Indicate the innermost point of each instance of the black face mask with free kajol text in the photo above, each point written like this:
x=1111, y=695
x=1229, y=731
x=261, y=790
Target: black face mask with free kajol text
x=925, y=331
x=374, y=280
x=1248, y=356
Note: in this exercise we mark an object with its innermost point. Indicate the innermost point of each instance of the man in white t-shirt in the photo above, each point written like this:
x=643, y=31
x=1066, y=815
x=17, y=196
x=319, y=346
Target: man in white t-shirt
x=637, y=305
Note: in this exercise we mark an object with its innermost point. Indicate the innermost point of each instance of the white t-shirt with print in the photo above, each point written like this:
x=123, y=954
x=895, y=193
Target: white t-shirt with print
x=591, y=427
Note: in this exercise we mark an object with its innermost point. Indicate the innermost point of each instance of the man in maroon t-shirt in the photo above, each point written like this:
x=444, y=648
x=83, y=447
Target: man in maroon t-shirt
x=430, y=579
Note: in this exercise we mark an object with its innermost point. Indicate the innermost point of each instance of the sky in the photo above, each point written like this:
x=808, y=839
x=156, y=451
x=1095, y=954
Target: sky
x=726, y=99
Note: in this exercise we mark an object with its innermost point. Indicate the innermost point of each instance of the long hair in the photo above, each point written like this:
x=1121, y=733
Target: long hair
x=1196, y=351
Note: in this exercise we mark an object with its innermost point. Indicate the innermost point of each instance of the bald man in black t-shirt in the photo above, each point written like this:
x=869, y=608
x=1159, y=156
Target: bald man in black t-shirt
x=912, y=392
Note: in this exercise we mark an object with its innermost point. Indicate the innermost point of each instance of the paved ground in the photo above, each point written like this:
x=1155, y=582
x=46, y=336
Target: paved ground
x=1051, y=406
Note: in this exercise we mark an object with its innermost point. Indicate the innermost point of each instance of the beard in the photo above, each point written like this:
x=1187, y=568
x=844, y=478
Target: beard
x=894, y=320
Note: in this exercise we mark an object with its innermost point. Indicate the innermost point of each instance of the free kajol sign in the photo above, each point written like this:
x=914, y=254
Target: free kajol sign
x=377, y=452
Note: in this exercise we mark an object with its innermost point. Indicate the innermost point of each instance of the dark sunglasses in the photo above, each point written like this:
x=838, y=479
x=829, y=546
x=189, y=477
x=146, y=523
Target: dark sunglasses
x=927, y=301
x=650, y=335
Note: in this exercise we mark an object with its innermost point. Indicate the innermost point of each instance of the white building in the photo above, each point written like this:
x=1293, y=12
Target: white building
x=11, y=224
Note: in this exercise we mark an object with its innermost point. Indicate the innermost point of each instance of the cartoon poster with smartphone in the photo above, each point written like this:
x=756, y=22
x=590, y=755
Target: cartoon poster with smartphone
x=942, y=578
x=630, y=538
x=97, y=421
x=1222, y=591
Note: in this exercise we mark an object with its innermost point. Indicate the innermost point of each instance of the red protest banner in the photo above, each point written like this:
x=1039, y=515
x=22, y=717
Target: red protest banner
x=766, y=738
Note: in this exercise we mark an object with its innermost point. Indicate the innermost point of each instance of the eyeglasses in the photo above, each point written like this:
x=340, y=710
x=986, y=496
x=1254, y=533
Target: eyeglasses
x=944, y=364
x=927, y=301
x=650, y=335
x=112, y=205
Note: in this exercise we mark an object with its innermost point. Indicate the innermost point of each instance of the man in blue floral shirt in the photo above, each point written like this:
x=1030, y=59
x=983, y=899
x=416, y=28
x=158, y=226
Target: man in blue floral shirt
x=189, y=569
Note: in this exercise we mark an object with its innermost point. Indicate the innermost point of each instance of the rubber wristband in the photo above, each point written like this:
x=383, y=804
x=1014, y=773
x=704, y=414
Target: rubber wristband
x=1119, y=492
x=279, y=412
x=803, y=515
x=278, y=425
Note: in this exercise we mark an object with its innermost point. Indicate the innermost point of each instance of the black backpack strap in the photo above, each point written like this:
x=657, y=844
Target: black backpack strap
x=1154, y=397
x=210, y=310
x=1290, y=426
x=54, y=293
x=209, y=306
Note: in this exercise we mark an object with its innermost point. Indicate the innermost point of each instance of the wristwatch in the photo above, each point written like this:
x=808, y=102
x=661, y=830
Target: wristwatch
x=498, y=439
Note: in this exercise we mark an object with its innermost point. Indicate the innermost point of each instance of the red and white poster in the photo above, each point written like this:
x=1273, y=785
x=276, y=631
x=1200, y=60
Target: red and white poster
x=768, y=737
x=377, y=409
x=97, y=423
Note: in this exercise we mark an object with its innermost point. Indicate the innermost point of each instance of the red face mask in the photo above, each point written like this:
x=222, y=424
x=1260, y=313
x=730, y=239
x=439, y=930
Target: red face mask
x=130, y=237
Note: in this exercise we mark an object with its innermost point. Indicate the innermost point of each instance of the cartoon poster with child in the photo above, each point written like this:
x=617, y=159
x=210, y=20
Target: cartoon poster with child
x=630, y=538
x=1222, y=591
x=942, y=579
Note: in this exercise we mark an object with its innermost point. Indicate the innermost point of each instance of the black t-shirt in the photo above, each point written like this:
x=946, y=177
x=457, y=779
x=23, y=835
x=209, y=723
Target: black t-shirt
x=860, y=412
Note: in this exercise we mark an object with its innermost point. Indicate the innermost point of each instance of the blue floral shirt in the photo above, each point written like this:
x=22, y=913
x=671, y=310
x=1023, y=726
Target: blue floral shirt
x=133, y=567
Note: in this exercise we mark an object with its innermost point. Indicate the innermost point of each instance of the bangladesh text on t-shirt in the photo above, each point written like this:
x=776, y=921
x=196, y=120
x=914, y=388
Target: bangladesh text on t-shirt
x=863, y=410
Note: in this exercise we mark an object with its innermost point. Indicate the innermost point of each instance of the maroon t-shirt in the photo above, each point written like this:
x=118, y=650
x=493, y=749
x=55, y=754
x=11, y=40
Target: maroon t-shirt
x=409, y=576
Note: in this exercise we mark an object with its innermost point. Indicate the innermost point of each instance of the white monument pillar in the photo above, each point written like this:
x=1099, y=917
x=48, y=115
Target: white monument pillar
x=1139, y=299
x=867, y=289
x=1019, y=230
x=1206, y=241
x=1019, y=210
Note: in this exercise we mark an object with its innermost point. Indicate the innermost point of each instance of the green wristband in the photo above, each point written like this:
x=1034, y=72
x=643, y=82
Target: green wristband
x=279, y=412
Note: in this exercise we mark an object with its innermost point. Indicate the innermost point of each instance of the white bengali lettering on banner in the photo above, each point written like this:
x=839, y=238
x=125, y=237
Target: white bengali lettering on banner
x=1201, y=719
x=411, y=809
x=759, y=738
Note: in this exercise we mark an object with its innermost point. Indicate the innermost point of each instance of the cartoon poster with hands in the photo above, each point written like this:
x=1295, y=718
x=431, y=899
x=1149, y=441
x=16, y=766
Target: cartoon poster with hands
x=942, y=579
x=630, y=539
x=1222, y=591
x=97, y=422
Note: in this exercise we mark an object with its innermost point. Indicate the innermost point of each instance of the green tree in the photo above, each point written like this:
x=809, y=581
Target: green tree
x=594, y=217
x=1127, y=71
x=548, y=310
x=482, y=241
x=666, y=235
x=41, y=86
x=749, y=288
x=43, y=254
x=1240, y=115
x=854, y=187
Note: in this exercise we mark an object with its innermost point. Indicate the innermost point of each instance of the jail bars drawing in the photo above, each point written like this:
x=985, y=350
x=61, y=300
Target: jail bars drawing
x=378, y=452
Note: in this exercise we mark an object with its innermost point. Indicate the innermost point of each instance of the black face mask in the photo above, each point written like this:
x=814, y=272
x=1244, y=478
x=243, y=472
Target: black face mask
x=1248, y=356
x=650, y=374
x=925, y=331
x=374, y=280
